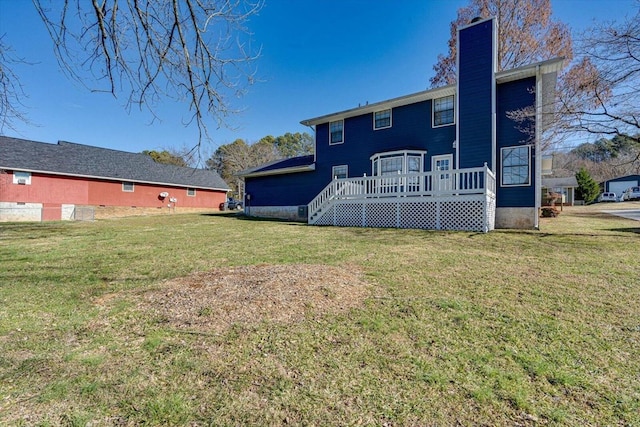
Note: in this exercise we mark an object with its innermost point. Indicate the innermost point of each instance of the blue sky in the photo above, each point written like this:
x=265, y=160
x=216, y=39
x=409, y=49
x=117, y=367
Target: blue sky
x=318, y=57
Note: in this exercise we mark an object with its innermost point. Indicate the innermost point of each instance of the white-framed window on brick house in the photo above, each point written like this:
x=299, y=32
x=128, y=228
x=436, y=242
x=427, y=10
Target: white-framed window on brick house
x=444, y=111
x=382, y=119
x=22, y=178
x=191, y=192
x=516, y=166
x=128, y=187
x=336, y=132
x=340, y=172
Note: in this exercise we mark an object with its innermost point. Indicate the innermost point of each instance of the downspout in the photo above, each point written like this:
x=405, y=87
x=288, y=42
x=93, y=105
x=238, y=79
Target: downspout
x=537, y=153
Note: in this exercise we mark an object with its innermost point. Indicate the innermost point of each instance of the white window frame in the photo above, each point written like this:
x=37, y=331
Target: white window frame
x=334, y=174
x=390, y=111
x=433, y=111
x=22, y=178
x=331, y=133
x=124, y=188
x=377, y=158
x=528, y=166
x=191, y=192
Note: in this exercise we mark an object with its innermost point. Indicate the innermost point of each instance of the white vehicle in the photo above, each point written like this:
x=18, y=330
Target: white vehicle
x=632, y=193
x=608, y=197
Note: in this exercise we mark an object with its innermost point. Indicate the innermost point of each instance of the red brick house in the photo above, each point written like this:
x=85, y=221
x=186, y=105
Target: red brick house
x=43, y=182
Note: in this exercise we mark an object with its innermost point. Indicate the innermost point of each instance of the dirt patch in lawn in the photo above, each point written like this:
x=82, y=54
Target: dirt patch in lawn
x=217, y=299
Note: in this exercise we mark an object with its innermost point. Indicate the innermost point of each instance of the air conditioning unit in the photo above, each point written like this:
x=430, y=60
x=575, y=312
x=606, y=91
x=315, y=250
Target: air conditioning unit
x=22, y=181
x=164, y=194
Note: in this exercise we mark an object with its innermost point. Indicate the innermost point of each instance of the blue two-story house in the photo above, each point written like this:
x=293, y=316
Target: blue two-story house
x=447, y=158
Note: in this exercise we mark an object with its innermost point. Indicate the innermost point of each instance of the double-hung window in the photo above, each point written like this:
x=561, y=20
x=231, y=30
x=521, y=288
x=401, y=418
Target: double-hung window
x=340, y=172
x=382, y=119
x=336, y=132
x=516, y=168
x=443, y=111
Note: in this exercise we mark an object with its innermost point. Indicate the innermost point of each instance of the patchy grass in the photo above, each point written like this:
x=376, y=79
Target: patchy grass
x=505, y=328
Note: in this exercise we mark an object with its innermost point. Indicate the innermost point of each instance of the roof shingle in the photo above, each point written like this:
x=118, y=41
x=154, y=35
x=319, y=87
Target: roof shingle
x=67, y=158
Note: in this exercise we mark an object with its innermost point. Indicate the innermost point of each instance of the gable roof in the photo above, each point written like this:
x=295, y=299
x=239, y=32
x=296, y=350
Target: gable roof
x=548, y=68
x=70, y=159
x=282, y=166
x=569, y=181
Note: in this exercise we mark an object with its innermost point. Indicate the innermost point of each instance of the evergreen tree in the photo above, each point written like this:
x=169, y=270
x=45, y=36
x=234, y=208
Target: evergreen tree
x=588, y=189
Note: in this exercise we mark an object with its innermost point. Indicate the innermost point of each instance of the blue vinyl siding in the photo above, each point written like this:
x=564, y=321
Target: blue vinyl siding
x=411, y=130
x=294, y=189
x=513, y=96
x=475, y=82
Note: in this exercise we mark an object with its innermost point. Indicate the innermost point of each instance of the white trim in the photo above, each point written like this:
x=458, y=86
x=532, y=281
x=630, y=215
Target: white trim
x=433, y=112
x=377, y=157
x=494, y=110
x=110, y=178
x=390, y=110
x=283, y=171
x=22, y=180
x=334, y=175
x=547, y=67
x=383, y=105
x=529, y=183
x=341, y=138
x=437, y=177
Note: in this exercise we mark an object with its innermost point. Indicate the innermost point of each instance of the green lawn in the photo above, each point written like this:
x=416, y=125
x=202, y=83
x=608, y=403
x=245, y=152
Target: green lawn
x=505, y=328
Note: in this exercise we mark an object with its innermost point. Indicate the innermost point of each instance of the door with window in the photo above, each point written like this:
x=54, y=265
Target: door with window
x=441, y=166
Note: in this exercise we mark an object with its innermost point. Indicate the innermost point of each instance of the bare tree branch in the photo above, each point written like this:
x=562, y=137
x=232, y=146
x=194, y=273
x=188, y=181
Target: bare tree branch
x=195, y=52
x=11, y=91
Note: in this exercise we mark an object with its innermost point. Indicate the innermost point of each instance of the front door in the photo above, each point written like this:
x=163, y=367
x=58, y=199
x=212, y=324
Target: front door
x=441, y=165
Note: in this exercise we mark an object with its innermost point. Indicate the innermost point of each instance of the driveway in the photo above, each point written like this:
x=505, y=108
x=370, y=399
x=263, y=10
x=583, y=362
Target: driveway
x=629, y=213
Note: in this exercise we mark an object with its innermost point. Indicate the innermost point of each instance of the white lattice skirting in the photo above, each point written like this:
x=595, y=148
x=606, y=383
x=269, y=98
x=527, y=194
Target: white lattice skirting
x=470, y=213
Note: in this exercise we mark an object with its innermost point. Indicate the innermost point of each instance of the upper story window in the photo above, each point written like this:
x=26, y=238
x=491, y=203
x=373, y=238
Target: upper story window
x=127, y=187
x=191, y=192
x=22, y=178
x=340, y=172
x=382, y=119
x=515, y=166
x=443, y=111
x=336, y=132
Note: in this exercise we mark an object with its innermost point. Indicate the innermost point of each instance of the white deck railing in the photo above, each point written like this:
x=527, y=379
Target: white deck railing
x=458, y=182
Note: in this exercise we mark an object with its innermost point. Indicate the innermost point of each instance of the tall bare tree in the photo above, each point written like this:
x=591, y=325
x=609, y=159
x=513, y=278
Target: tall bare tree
x=195, y=52
x=603, y=94
x=11, y=91
x=526, y=33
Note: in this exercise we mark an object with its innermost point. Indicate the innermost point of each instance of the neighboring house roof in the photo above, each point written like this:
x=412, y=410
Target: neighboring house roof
x=569, y=181
x=282, y=166
x=70, y=159
x=548, y=68
x=624, y=178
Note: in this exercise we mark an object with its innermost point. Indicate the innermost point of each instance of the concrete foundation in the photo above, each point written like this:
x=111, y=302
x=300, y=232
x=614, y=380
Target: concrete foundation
x=518, y=218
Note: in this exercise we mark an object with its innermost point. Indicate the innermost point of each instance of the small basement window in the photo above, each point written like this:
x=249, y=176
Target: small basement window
x=191, y=192
x=127, y=187
x=22, y=178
